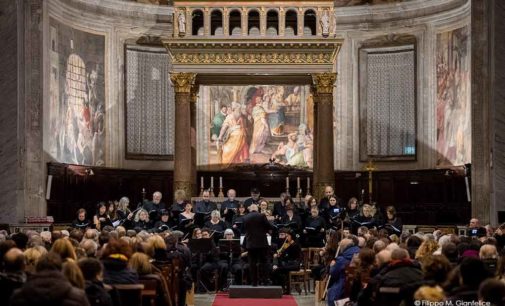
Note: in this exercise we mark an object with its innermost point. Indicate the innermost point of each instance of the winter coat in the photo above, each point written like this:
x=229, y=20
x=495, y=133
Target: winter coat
x=337, y=274
x=48, y=288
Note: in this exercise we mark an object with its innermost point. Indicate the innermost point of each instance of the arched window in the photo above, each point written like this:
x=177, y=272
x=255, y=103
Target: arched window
x=197, y=22
x=253, y=22
x=309, y=22
x=235, y=23
x=291, y=24
x=216, y=23
x=272, y=23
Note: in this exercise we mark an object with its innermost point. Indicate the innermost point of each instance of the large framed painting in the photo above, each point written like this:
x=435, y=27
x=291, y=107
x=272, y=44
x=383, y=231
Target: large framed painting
x=255, y=124
x=77, y=106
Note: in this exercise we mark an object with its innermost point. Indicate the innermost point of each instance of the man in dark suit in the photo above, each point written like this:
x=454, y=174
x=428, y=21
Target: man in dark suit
x=229, y=207
x=254, y=199
x=155, y=206
x=256, y=228
x=204, y=208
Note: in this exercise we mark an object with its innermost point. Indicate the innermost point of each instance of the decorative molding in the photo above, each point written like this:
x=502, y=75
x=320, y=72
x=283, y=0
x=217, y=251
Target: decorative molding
x=230, y=52
x=182, y=81
x=323, y=83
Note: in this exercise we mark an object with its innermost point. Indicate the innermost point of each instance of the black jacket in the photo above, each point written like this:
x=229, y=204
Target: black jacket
x=256, y=228
x=48, y=288
x=97, y=295
x=116, y=272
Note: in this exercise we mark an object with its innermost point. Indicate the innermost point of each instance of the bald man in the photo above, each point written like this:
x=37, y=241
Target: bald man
x=14, y=276
x=475, y=229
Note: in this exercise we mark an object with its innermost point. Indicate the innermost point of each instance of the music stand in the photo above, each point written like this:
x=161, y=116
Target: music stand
x=200, y=247
x=231, y=246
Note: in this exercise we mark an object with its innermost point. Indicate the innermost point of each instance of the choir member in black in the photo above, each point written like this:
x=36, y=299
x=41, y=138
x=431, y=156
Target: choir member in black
x=280, y=207
x=101, y=219
x=291, y=219
x=314, y=229
x=300, y=208
x=122, y=208
x=393, y=223
x=352, y=209
x=238, y=219
x=186, y=218
x=165, y=222
x=264, y=210
x=325, y=202
x=112, y=211
x=180, y=203
x=204, y=208
x=141, y=221
x=229, y=206
x=81, y=222
x=335, y=214
x=311, y=202
x=154, y=207
x=286, y=259
x=254, y=199
x=364, y=219
x=216, y=225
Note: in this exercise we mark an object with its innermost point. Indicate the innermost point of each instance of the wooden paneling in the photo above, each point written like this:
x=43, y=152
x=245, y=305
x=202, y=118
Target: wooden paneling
x=73, y=187
x=421, y=196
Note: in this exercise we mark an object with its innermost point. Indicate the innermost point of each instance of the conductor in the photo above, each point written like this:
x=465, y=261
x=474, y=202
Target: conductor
x=256, y=228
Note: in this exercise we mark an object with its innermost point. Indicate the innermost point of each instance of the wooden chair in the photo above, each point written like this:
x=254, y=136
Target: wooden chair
x=301, y=277
x=314, y=260
x=129, y=295
x=149, y=293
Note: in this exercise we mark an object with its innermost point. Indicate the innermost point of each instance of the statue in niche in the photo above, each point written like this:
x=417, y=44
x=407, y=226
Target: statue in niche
x=325, y=23
x=182, y=23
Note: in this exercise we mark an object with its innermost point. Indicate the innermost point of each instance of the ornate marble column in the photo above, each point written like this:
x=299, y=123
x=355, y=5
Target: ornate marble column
x=324, y=172
x=183, y=83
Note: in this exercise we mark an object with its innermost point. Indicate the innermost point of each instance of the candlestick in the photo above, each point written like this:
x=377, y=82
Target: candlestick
x=308, y=183
x=220, y=182
x=211, y=182
x=201, y=182
x=298, y=183
x=287, y=182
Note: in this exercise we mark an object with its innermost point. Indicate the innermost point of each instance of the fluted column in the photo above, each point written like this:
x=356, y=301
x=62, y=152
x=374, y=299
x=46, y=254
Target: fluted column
x=183, y=83
x=324, y=172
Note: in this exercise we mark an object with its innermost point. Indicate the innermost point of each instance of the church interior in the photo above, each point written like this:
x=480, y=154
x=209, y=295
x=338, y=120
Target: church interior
x=193, y=152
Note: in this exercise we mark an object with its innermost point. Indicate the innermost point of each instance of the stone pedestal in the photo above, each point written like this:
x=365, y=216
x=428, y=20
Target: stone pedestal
x=183, y=83
x=324, y=172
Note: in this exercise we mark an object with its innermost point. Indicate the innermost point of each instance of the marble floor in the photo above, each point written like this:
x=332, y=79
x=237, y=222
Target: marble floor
x=301, y=300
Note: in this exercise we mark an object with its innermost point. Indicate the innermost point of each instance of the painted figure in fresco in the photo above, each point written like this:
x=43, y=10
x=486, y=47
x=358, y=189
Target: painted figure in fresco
x=293, y=100
x=293, y=152
x=277, y=118
x=233, y=138
x=217, y=122
x=261, y=131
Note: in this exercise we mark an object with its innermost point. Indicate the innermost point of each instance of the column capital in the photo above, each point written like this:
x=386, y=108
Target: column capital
x=182, y=81
x=323, y=82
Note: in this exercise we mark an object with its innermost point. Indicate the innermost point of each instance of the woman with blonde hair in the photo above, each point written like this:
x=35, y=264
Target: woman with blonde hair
x=140, y=263
x=159, y=249
x=32, y=256
x=64, y=248
x=428, y=247
x=74, y=274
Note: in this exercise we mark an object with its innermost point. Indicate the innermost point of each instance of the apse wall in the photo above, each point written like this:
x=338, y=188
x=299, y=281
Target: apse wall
x=85, y=50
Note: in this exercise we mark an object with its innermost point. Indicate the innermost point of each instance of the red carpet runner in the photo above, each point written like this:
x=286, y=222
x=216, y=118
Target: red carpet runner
x=224, y=300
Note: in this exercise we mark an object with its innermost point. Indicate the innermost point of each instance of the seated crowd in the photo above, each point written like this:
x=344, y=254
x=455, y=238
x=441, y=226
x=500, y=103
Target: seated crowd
x=361, y=255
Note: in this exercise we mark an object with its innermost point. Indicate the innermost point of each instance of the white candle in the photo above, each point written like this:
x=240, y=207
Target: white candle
x=211, y=182
x=220, y=182
x=298, y=183
x=201, y=182
x=287, y=182
x=308, y=183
